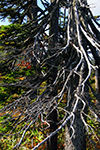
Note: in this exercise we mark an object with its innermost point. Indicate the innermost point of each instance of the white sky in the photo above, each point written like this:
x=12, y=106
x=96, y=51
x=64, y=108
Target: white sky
x=94, y=5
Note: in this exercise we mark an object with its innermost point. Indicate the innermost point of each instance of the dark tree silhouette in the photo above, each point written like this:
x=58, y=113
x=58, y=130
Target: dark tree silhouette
x=59, y=43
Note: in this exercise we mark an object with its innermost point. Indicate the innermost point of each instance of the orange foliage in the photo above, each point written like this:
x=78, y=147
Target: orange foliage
x=22, y=78
x=25, y=64
x=1, y=114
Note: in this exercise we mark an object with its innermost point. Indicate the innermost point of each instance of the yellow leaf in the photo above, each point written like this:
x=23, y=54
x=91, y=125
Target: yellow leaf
x=7, y=43
x=15, y=95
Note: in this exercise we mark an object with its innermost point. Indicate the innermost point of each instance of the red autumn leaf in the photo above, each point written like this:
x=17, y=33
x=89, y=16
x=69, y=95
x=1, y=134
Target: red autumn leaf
x=28, y=67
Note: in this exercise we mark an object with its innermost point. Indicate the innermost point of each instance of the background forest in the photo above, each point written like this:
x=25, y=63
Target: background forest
x=49, y=75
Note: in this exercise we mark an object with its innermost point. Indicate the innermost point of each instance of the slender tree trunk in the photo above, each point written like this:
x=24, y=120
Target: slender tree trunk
x=32, y=13
x=54, y=27
x=52, y=142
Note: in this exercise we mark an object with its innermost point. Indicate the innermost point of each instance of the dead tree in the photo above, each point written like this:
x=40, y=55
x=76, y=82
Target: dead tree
x=71, y=60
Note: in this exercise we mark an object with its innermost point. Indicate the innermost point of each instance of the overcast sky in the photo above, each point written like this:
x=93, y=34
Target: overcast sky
x=94, y=5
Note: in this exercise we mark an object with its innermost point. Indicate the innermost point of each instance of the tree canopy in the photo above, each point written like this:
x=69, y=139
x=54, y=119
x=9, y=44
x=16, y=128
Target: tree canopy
x=61, y=44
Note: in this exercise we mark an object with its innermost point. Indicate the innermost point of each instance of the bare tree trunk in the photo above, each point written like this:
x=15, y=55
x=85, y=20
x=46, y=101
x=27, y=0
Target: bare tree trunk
x=52, y=142
x=78, y=142
x=54, y=27
x=32, y=13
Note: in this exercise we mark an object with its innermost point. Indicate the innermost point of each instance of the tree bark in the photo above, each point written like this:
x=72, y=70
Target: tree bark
x=78, y=142
x=52, y=142
x=32, y=13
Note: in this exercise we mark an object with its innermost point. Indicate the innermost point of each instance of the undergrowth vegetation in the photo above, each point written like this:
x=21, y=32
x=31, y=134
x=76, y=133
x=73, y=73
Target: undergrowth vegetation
x=34, y=136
